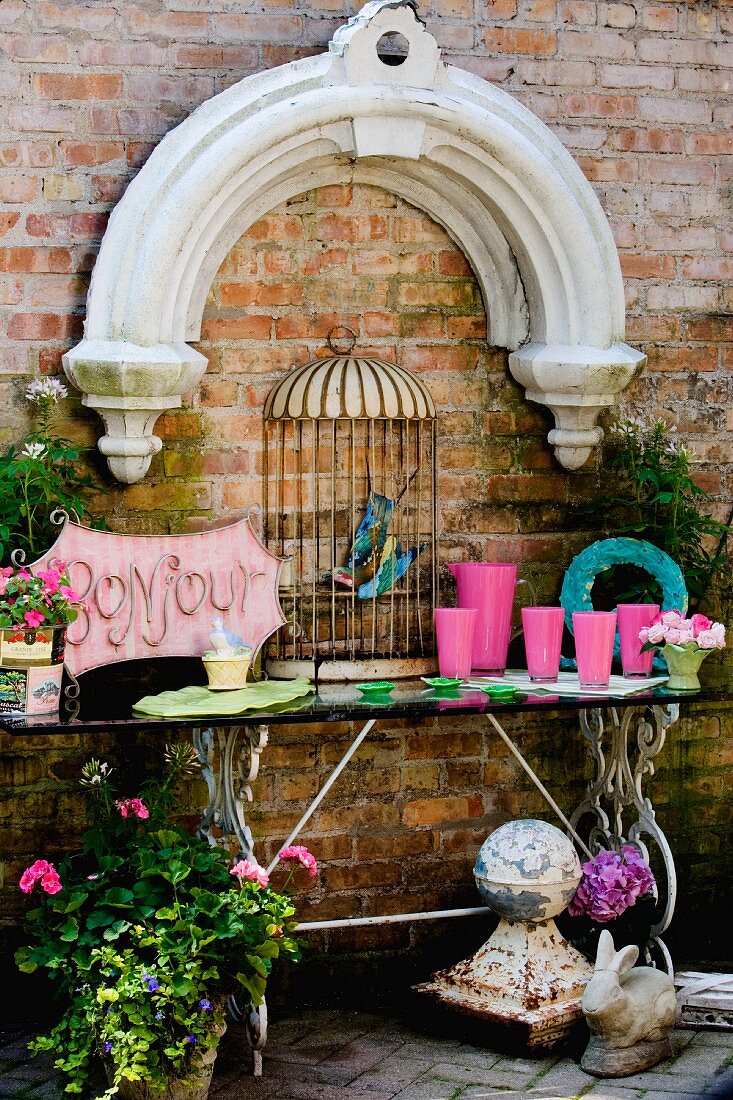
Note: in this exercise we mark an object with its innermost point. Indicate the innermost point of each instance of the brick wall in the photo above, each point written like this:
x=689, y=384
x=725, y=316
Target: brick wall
x=638, y=93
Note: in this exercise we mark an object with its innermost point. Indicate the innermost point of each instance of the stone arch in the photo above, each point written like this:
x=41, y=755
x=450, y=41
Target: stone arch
x=468, y=154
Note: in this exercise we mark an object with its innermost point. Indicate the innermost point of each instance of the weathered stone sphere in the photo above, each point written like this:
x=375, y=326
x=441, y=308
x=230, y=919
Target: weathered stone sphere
x=527, y=871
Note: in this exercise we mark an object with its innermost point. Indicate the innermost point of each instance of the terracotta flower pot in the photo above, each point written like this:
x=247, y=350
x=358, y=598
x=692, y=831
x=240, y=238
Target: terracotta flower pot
x=683, y=665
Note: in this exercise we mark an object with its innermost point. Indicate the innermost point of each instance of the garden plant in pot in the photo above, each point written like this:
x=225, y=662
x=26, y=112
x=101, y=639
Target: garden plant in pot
x=685, y=644
x=146, y=931
x=35, y=610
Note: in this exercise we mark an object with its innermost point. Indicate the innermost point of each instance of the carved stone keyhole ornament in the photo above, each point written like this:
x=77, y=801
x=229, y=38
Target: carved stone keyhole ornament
x=469, y=155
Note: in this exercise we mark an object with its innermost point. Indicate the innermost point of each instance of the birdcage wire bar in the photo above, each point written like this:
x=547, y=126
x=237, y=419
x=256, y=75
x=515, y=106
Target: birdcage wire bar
x=318, y=474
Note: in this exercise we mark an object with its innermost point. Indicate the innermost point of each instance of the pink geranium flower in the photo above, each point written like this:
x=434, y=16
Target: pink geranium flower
x=133, y=807
x=298, y=853
x=33, y=618
x=51, y=882
x=44, y=871
x=252, y=872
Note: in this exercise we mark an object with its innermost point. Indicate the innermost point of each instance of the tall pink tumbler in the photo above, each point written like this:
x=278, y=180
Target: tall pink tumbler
x=542, y=641
x=595, y=633
x=489, y=587
x=631, y=618
x=454, y=627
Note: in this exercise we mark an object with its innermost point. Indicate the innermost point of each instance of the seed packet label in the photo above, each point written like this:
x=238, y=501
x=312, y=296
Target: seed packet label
x=30, y=690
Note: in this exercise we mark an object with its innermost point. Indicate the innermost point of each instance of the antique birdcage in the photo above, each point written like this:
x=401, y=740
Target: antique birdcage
x=350, y=500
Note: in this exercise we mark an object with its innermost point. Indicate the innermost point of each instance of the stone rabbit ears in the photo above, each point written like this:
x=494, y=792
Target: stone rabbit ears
x=608, y=958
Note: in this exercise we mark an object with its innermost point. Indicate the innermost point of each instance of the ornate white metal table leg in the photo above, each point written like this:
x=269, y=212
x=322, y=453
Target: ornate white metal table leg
x=229, y=781
x=615, y=795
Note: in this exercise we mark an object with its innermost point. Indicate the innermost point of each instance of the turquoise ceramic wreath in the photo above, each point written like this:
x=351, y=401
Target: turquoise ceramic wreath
x=583, y=570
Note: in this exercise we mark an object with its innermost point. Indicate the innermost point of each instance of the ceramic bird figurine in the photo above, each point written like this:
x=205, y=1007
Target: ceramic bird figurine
x=223, y=641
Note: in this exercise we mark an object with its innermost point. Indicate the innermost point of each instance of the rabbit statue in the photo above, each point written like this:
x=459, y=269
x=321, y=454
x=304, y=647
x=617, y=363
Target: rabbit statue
x=630, y=1013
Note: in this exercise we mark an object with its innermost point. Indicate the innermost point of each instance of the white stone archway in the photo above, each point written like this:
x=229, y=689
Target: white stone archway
x=472, y=157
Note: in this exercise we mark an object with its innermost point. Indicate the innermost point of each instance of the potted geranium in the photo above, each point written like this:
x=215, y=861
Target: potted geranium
x=146, y=931
x=685, y=643
x=35, y=610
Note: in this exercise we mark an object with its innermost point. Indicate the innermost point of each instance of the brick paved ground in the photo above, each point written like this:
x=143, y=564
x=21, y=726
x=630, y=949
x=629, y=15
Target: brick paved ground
x=340, y=1055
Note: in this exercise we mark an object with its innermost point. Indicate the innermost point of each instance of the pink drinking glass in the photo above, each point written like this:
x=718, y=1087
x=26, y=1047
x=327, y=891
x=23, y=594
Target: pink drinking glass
x=631, y=618
x=454, y=629
x=542, y=641
x=595, y=632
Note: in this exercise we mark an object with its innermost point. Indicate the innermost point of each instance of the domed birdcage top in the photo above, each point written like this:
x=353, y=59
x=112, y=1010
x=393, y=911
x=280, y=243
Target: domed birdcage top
x=350, y=387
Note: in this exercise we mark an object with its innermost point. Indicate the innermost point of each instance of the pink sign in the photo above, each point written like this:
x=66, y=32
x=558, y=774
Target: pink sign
x=158, y=595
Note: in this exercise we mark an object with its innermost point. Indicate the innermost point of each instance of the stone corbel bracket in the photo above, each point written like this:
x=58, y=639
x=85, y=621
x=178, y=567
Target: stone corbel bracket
x=468, y=154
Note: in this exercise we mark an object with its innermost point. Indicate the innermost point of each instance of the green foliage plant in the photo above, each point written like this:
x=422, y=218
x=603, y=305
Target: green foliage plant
x=40, y=477
x=146, y=931
x=653, y=497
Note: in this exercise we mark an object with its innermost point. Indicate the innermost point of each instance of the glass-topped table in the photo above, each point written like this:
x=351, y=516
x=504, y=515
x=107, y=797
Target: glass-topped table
x=106, y=698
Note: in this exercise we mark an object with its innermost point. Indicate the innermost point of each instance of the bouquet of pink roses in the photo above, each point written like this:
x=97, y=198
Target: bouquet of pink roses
x=670, y=628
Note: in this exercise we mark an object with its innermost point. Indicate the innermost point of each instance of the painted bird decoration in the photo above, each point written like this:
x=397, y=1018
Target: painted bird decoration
x=224, y=641
x=377, y=560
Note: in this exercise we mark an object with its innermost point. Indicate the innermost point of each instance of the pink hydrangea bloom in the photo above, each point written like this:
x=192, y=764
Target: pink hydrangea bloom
x=246, y=869
x=33, y=618
x=611, y=883
x=133, y=807
x=298, y=853
x=44, y=871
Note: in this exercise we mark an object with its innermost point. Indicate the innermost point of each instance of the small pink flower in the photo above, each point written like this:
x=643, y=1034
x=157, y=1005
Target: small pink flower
x=656, y=633
x=50, y=578
x=710, y=639
x=23, y=575
x=298, y=853
x=685, y=636
x=673, y=636
x=51, y=883
x=133, y=807
x=7, y=571
x=44, y=871
x=700, y=622
x=69, y=593
x=245, y=869
x=33, y=618
x=669, y=618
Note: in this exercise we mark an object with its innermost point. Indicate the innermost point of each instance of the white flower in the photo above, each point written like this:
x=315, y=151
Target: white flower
x=34, y=450
x=50, y=389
